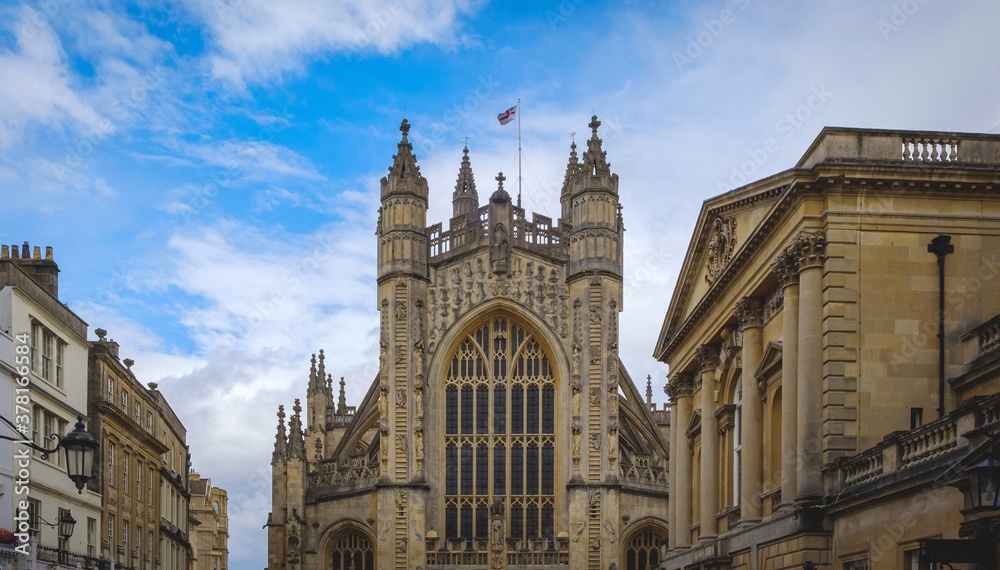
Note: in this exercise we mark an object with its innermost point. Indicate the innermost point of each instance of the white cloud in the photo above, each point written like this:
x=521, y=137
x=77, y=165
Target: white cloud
x=36, y=87
x=261, y=40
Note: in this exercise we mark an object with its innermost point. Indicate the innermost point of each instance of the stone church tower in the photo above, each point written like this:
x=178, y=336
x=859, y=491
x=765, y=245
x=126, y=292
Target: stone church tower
x=501, y=430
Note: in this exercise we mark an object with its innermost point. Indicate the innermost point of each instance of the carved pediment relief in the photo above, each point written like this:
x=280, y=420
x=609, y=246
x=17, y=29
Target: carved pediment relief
x=721, y=245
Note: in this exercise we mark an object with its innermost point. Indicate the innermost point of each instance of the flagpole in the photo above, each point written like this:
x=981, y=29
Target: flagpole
x=518, y=152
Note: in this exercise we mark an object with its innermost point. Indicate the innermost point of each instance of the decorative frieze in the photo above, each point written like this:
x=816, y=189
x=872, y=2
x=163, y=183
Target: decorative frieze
x=462, y=286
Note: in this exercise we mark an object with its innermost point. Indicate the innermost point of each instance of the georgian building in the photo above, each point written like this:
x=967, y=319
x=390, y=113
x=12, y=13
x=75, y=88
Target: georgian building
x=501, y=429
x=175, y=549
x=54, y=339
x=816, y=418
x=210, y=537
x=127, y=423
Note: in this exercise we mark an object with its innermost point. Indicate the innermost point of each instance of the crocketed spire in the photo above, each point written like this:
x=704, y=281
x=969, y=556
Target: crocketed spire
x=296, y=443
x=280, y=440
x=595, y=159
x=465, y=200
x=342, y=399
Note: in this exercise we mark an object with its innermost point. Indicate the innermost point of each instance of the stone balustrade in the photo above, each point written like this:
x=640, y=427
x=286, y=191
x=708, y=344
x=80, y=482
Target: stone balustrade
x=929, y=148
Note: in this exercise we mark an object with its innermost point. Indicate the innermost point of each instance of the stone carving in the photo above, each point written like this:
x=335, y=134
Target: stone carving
x=811, y=249
x=383, y=362
x=418, y=358
x=721, y=246
x=418, y=444
x=595, y=441
x=401, y=398
x=707, y=356
x=580, y=526
x=595, y=543
x=401, y=443
x=750, y=312
x=594, y=497
x=383, y=406
x=497, y=525
x=613, y=325
x=415, y=527
x=577, y=356
x=499, y=249
x=595, y=395
x=613, y=440
x=595, y=354
x=450, y=297
x=400, y=545
x=386, y=526
x=612, y=535
x=577, y=390
x=400, y=310
x=577, y=435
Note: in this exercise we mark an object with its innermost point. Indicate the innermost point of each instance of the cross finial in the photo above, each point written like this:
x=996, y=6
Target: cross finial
x=500, y=178
x=465, y=141
x=594, y=123
x=404, y=127
x=281, y=412
x=572, y=137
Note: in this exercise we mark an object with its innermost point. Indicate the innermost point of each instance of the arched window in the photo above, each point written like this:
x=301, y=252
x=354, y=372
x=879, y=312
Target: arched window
x=737, y=441
x=351, y=550
x=643, y=550
x=499, y=433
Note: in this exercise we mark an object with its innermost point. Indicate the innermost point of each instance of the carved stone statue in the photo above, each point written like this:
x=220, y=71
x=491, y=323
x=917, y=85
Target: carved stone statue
x=499, y=249
x=418, y=358
x=577, y=356
x=577, y=391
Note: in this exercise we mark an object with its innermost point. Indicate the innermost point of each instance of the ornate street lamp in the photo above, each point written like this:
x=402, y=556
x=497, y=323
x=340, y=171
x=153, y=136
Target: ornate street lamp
x=66, y=525
x=984, y=483
x=80, y=448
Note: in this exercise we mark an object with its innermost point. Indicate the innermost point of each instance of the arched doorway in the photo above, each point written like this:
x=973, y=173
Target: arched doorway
x=642, y=551
x=351, y=549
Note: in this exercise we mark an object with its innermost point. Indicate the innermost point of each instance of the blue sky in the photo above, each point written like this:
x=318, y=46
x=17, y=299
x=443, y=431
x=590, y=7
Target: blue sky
x=207, y=170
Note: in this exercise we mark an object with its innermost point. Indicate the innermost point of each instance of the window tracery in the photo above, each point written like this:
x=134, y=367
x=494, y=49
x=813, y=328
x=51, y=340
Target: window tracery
x=499, y=433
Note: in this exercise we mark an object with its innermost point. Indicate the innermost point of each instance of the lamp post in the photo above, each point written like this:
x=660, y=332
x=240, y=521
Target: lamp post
x=983, y=480
x=79, y=445
x=66, y=525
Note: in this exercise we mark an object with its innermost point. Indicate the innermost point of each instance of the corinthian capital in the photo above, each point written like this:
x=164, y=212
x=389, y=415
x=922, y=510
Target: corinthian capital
x=786, y=266
x=707, y=356
x=811, y=249
x=681, y=384
x=750, y=312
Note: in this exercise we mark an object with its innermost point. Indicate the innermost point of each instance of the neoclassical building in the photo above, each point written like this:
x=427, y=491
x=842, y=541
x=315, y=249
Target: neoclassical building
x=816, y=417
x=501, y=429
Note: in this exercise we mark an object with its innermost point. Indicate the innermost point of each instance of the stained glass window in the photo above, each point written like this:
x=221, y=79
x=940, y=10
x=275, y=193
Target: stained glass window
x=499, y=433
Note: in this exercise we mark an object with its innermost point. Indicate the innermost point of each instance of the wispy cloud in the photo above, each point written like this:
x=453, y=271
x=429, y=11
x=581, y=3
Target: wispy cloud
x=259, y=40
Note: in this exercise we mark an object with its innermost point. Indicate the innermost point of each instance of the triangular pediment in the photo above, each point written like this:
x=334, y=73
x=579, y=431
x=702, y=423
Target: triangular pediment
x=770, y=360
x=722, y=238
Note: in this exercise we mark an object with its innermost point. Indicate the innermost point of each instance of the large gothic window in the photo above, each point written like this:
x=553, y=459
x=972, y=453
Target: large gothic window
x=352, y=551
x=499, y=433
x=643, y=550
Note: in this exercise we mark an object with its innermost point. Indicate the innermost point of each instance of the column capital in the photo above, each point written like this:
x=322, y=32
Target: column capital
x=811, y=249
x=680, y=385
x=786, y=267
x=707, y=356
x=750, y=312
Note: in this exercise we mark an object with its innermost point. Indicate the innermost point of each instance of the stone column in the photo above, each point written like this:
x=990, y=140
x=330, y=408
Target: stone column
x=708, y=361
x=681, y=494
x=750, y=312
x=809, y=480
x=787, y=268
x=671, y=391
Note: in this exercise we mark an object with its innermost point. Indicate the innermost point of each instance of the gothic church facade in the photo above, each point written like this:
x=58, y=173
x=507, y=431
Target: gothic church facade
x=501, y=430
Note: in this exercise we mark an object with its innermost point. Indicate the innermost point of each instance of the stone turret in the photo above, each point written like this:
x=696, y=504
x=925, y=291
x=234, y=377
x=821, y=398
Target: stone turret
x=465, y=200
x=318, y=395
x=276, y=518
x=596, y=235
x=403, y=217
